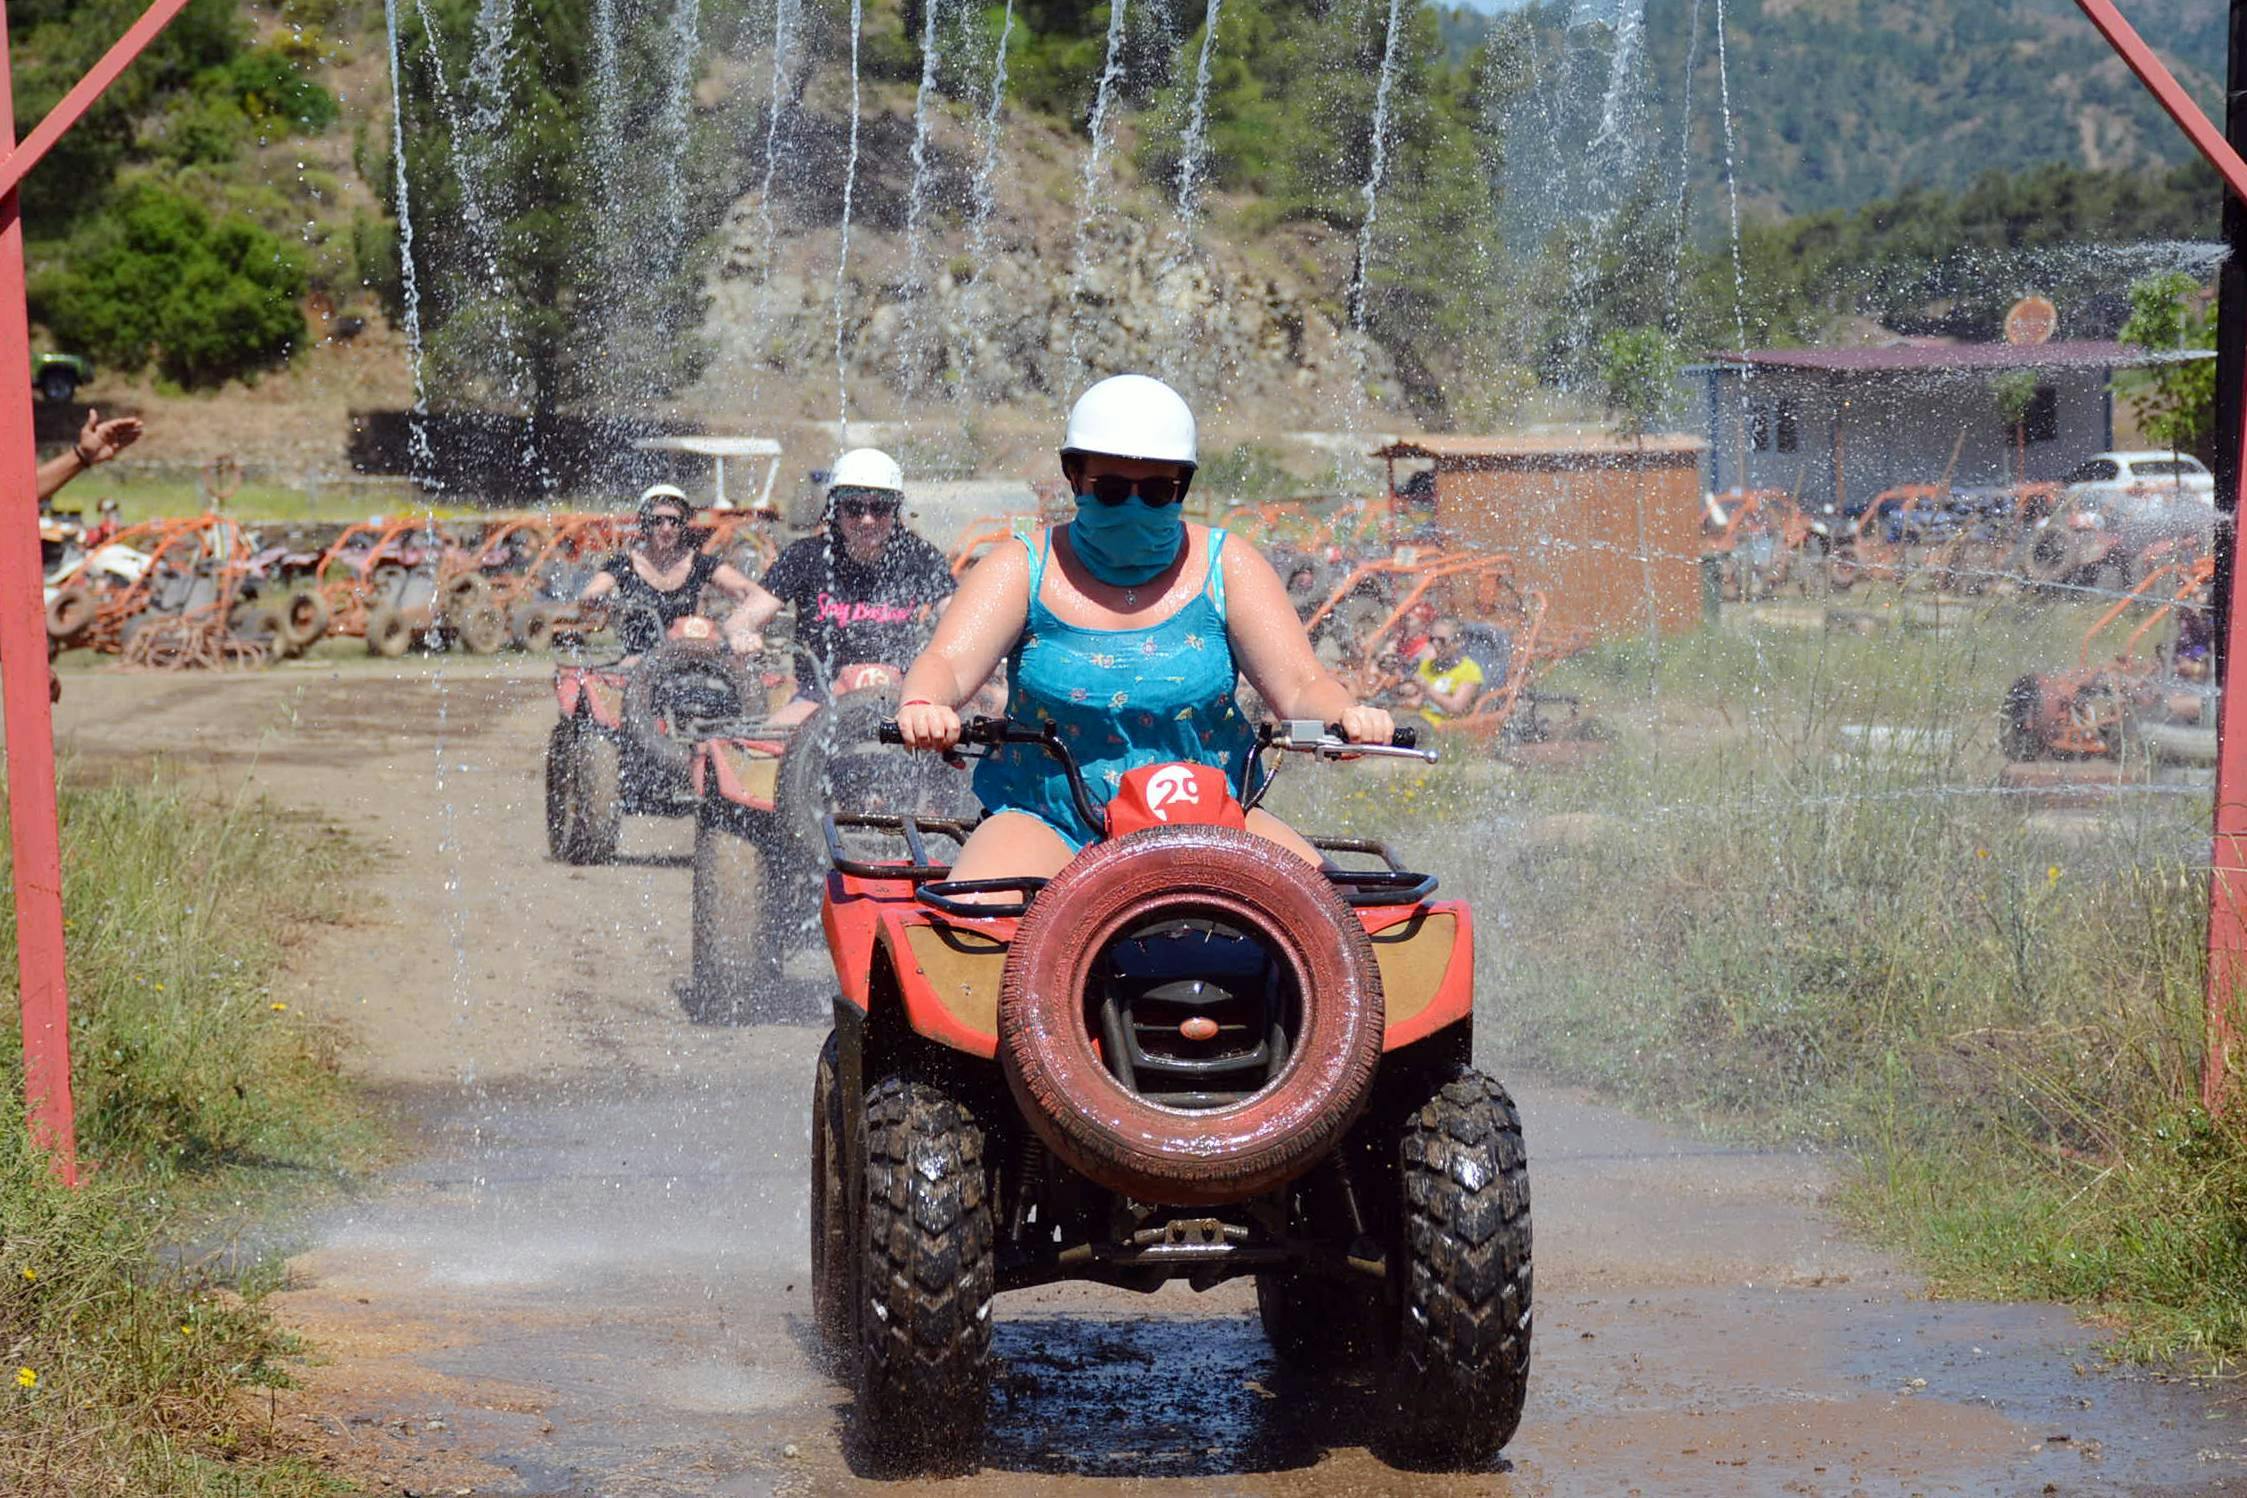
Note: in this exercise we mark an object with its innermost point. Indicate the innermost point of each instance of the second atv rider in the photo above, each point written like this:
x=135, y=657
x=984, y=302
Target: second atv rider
x=1128, y=629
x=863, y=588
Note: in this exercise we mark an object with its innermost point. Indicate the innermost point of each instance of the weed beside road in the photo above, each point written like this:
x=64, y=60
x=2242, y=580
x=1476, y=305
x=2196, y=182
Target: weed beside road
x=1750, y=915
x=118, y=1375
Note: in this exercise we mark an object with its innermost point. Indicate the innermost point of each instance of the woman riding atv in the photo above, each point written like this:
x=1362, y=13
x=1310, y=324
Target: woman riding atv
x=655, y=583
x=1127, y=628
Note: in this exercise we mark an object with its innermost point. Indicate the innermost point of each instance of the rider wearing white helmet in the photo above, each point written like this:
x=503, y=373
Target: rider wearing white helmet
x=659, y=579
x=1128, y=628
x=862, y=588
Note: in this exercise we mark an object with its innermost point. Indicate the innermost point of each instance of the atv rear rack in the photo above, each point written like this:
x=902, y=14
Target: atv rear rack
x=1392, y=884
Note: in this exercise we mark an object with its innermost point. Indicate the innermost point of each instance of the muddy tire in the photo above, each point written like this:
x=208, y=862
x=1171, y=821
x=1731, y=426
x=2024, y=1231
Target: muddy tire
x=2017, y=736
x=534, y=627
x=584, y=795
x=2050, y=556
x=480, y=629
x=803, y=786
x=304, y=620
x=389, y=635
x=1137, y=1146
x=927, y=1280
x=736, y=959
x=834, y=1286
x=1462, y=1269
x=70, y=613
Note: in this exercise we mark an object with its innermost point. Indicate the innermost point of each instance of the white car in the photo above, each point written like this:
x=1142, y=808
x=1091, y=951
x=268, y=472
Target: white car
x=2122, y=483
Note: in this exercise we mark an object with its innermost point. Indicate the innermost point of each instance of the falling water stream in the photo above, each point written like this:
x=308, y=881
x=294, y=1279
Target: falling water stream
x=916, y=210
x=1194, y=150
x=984, y=203
x=1371, y=192
x=1103, y=103
x=672, y=126
x=784, y=21
x=1732, y=193
x=842, y=257
x=420, y=459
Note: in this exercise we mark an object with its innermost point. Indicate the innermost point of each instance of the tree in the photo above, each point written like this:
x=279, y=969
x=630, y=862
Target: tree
x=2015, y=391
x=159, y=279
x=563, y=269
x=2176, y=402
x=1638, y=378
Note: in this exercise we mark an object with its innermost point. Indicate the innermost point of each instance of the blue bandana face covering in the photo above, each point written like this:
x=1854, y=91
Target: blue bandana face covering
x=1128, y=544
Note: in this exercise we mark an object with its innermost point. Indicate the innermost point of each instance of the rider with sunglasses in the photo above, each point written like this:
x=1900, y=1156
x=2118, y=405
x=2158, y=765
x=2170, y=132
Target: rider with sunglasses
x=1127, y=627
x=659, y=580
x=863, y=587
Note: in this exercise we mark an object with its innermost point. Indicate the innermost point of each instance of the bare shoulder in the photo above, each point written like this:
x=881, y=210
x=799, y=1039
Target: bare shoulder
x=1244, y=563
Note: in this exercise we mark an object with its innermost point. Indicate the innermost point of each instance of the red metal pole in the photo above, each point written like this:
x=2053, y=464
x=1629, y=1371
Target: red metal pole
x=33, y=828
x=2167, y=92
x=2227, y=879
x=2227, y=882
x=19, y=160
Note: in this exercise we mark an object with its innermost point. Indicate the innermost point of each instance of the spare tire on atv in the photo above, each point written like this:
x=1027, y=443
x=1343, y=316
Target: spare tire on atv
x=681, y=677
x=1297, y=1029
x=834, y=763
x=389, y=633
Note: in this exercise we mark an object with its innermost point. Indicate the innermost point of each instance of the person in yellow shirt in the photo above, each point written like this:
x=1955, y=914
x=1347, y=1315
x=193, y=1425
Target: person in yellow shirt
x=1447, y=681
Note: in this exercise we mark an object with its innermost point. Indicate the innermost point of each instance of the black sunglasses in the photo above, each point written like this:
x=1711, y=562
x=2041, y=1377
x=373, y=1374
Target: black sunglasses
x=1114, y=489
x=673, y=520
x=867, y=509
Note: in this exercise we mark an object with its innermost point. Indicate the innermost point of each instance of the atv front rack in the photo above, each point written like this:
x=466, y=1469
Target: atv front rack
x=1391, y=884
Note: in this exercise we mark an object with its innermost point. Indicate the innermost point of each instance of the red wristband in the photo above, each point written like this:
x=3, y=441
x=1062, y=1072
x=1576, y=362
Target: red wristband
x=916, y=702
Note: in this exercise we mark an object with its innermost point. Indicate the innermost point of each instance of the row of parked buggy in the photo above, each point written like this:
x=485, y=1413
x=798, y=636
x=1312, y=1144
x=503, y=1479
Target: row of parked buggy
x=210, y=590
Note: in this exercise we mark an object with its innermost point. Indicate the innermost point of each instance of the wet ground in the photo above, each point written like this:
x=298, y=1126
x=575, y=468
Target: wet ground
x=590, y=1278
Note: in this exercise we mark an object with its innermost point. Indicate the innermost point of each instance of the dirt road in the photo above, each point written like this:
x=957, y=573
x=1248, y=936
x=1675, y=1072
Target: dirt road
x=591, y=1277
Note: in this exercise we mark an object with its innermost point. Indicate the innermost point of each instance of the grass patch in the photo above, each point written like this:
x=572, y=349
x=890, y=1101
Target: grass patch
x=118, y=1375
x=1740, y=919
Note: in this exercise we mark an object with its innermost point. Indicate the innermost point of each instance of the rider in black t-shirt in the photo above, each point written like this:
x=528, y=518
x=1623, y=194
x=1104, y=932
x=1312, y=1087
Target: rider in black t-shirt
x=656, y=583
x=863, y=588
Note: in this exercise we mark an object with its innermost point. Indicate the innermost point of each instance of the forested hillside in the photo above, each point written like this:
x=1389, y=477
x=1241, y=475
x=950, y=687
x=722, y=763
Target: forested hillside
x=588, y=181
x=1839, y=102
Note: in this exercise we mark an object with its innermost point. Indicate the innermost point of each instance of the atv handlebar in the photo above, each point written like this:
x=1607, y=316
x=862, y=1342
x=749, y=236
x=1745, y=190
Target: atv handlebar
x=1300, y=735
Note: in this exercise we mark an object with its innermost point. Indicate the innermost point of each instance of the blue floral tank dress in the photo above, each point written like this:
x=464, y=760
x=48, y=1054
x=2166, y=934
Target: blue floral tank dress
x=1122, y=697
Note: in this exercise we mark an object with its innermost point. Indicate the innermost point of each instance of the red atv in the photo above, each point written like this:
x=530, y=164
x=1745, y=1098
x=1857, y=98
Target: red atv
x=762, y=794
x=624, y=744
x=1186, y=1056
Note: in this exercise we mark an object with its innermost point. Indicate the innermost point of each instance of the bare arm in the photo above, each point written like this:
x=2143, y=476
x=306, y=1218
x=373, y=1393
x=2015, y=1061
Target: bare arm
x=1276, y=655
x=977, y=630
x=1456, y=701
x=98, y=442
x=602, y=585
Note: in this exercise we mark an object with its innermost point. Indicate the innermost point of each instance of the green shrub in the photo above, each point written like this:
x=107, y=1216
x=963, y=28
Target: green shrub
x=118, y=1375
x=161, y=281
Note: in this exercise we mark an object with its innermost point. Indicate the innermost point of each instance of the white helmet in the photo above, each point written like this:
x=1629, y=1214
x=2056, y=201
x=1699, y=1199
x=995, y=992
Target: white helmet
x=654, y=492
x=866, y=468
x=1133, y=416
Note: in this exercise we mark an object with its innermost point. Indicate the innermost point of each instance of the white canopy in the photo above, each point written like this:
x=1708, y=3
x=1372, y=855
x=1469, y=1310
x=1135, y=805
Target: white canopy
x=719, y=449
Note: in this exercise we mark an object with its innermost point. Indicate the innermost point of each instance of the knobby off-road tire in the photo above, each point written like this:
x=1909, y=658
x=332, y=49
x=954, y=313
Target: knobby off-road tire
x=304, y=620
x=736, y=960
x=2017, y=734
x=834, y=1285
x=388, y=633
x=649, y=697
x=584, y=795
x=924, y=1365
x=1462, y=1358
